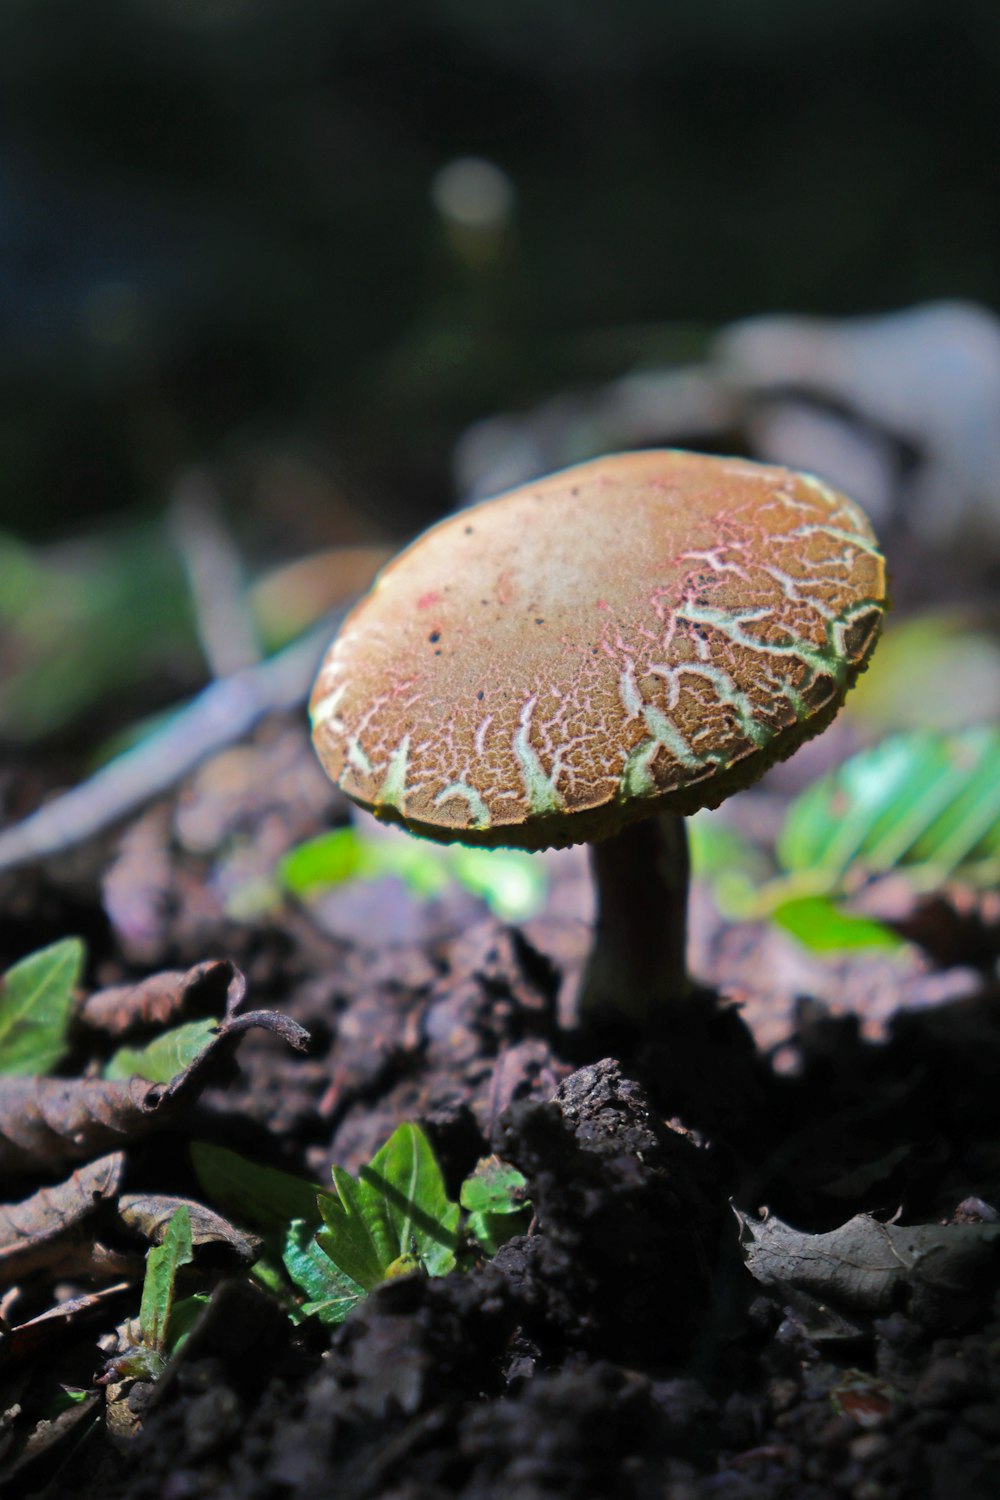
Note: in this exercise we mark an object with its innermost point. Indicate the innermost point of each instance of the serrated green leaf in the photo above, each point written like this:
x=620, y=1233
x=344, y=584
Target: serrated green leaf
x=264, y=1197
x=162, y=1264
x=495, y=1187
x=332, y=1294
x=36, y=1002
x=411, y=1192
x=926, y=803
x=397, y=1207
x=165, y=1056
x=819, y=924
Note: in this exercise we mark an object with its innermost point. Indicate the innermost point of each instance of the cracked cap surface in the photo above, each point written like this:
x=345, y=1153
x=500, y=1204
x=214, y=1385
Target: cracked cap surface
x=643, y=633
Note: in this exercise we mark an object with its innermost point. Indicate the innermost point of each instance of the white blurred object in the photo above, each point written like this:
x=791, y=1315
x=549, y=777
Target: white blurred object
x=927, y=376
x=473, y=193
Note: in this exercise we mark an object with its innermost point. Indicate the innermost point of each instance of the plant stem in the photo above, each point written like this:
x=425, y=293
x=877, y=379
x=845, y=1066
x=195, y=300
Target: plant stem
x=637, y=964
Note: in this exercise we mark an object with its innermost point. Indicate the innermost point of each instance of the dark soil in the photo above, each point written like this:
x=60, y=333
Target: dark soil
x=622, y=1348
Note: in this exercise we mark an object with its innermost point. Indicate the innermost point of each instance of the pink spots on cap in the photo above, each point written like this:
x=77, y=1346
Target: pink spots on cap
x=504, y=589
x=603, y=604
x=428, y=600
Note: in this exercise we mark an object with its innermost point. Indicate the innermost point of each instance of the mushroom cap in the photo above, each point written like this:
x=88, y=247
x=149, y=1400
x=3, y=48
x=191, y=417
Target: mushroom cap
x=644, y=633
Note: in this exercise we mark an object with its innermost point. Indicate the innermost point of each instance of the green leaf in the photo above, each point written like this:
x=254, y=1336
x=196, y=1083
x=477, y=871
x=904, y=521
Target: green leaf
x=332, y=1294
x=330, y=859
x=494, y=1187
x=358, y=1236
x=818, y=923
x=87, y=622
x=184, y=1316
x=66, y=1397
x=36, y=1001
x=410, y=1187
x=397, y=1207
x=494, y=1197
x=165, y=1056
x=264, y=1197
x=735, y=867
x=511, y=883
x=494, y=1230
x=347, y=854
x=162, y=1264
x=931, y=671
x=928, y=804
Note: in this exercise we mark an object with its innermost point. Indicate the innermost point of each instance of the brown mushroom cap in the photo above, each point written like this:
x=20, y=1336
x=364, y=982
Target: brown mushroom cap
x=647, y=632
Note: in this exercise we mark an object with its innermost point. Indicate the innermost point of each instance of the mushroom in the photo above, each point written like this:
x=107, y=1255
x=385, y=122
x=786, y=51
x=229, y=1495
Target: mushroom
x=594, y=656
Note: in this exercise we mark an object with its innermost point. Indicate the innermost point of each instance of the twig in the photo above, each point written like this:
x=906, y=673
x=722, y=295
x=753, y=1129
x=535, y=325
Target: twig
x=215, y=577
x=221, y=714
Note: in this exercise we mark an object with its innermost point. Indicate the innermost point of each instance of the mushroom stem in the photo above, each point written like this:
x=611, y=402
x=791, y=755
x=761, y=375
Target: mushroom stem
x=637, y=963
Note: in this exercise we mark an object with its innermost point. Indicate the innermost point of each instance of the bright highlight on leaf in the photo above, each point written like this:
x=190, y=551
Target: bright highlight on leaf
x=511, y=883
x=822, y=926
x=926, y=803
x=36, y=1003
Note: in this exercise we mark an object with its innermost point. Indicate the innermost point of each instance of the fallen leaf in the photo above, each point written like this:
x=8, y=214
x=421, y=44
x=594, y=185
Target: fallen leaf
x=36, y=1334
x=150, y=1213
x=45, y=1122
x=44, y=1231
x=46, y=1434
x=863, y=1263
x=159, y=999
x=864, y=1399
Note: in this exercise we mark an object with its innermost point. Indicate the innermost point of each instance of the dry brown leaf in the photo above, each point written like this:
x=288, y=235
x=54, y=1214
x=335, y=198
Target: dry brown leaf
x=46, y=1122
x=861, y=1264
x=45, y=1231
x=48, y=1433
x=149, y=1214
x=30, y=1338
x=161, y=999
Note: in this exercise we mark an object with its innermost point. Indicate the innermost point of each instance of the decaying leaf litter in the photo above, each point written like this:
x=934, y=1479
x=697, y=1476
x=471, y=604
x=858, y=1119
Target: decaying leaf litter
x=628, y=1340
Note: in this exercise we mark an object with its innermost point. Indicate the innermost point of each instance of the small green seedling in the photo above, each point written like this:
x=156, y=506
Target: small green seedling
x=36, y=1007
x=163, y=1322
x=495, y=1198
x=395, y=1218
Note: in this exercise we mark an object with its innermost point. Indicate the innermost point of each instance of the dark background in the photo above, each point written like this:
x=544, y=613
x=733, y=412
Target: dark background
x=218, y=241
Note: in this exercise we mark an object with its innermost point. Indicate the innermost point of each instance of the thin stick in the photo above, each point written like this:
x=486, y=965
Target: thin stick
x=215, y=576
x=221, y=714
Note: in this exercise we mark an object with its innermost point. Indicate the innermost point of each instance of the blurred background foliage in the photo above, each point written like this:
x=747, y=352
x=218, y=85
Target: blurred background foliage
x=349, y=264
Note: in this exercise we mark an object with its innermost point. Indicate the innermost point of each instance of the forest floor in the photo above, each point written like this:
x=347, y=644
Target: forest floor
x=659, y=1333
